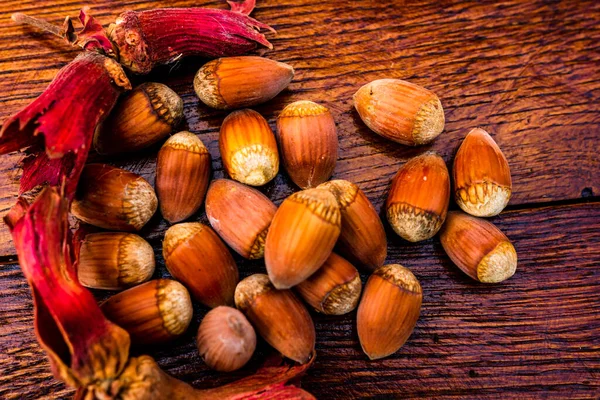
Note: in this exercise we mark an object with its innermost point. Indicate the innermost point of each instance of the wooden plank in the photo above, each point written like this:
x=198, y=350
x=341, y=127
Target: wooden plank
x=526, y=71
x=536, y=335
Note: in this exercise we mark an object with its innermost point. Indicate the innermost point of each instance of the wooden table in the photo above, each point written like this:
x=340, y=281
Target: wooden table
x=528, y=72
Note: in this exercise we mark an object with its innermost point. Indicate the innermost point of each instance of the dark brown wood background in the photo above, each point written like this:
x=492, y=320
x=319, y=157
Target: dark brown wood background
x=526, y=71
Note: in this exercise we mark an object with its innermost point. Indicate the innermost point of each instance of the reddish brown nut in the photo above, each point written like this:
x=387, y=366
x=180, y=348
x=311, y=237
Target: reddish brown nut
x=400, y=111
x=478, y=248
x=309, y=143
x=240, y=215
x=112, y=198
x=196, y=256
x=482, y=182
x=278, y=316
x=362, y=238
x=418, y=200
x=226, y=340
x=143, y=117
x=182, y=176
x=153, y=312
x=248, y=148
x=334, y=289
x=114, y=260
x=388, y=311
x=237, y=82
x=301, y=237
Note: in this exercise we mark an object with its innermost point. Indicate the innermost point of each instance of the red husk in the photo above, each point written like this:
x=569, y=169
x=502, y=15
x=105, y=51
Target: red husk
x=84, y=348
x=269, y=382
x=59, y=125
x=149, y=38
x=141, y=40
x=91, y=37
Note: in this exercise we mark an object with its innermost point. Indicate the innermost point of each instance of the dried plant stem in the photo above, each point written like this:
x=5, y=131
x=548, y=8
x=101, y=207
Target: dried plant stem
x=25, y=19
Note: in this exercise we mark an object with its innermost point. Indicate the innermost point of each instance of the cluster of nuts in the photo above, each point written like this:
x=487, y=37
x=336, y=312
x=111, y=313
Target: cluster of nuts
x=296, y=239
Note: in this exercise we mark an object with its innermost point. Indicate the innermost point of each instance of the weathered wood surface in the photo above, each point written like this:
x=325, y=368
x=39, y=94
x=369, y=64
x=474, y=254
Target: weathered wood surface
x=528, y=72
x=534, y=336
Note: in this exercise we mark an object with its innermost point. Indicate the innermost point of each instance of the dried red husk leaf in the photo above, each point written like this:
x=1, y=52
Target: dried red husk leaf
x=84, y=348
x=271, y=381
x=92, y=35
x=146, y=39
x=141, y=40
x=58, y=127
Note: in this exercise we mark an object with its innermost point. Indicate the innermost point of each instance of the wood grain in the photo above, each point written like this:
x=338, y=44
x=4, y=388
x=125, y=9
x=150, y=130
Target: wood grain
x=536, y=335
x=527, y=72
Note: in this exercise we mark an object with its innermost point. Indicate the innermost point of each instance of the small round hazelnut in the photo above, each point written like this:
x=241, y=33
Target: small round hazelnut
x=226, y=340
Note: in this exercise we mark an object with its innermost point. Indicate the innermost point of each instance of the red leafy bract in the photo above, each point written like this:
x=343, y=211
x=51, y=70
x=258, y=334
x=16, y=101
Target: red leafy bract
x=92, y=35
x=148, y=38
x=84, y=348
x=269, y=382
x=57, y=127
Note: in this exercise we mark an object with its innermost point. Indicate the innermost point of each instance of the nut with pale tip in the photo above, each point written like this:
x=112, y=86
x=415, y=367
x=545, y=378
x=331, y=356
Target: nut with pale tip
x=388, y=311
x=154, y=312
x=113, y=198
x=248, y=148
x=418, y=201
x=278, y=316
x=400, y=111
x=301, y=237
x=241, y=215
x=114, y=260
x=140, y=119
x=182, y=176
x=362, y=238
x=334, y=289
x=225, y=340
x=195, y=255
x=478, y=248
x=236, y=82
x=308, y=141
x=482, y=182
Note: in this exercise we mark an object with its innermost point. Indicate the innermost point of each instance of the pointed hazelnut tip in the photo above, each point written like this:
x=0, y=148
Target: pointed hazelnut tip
x=498, y=265
x=280, y=285
x=372, y=357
